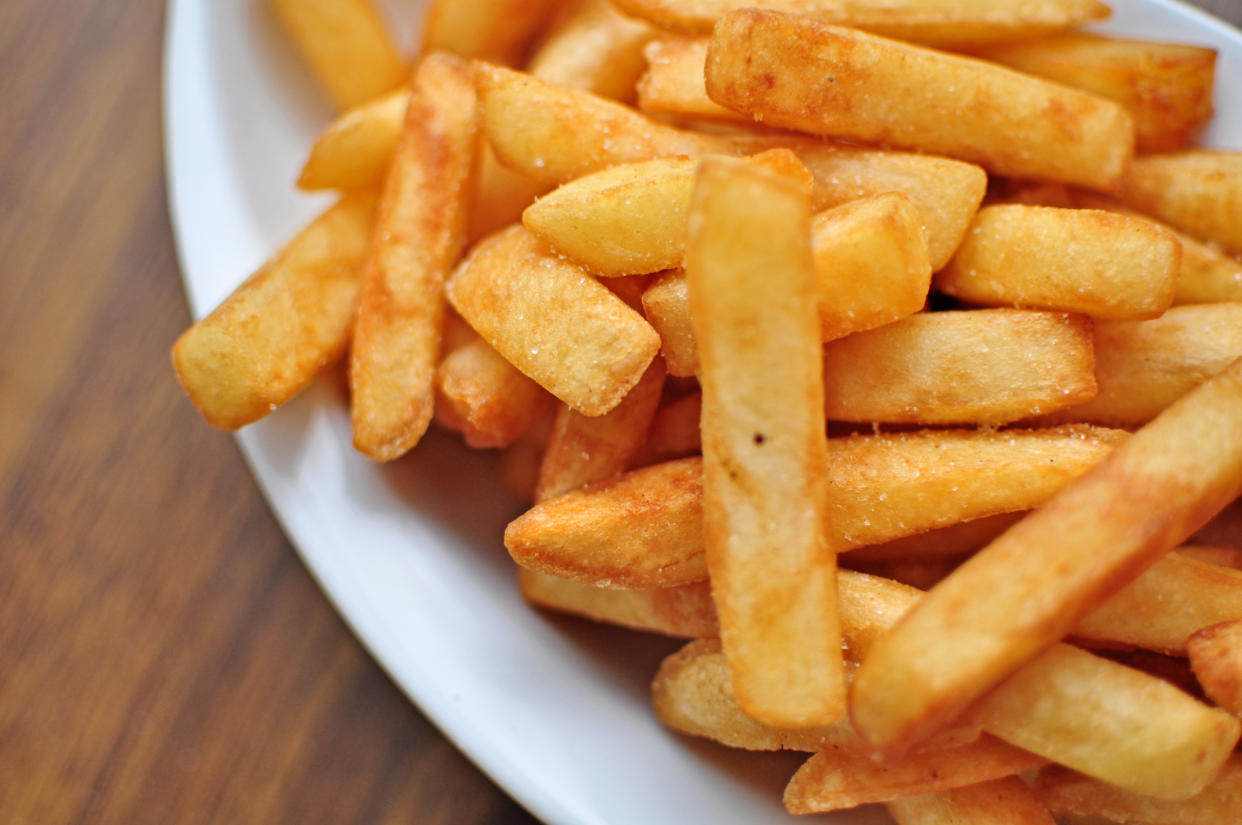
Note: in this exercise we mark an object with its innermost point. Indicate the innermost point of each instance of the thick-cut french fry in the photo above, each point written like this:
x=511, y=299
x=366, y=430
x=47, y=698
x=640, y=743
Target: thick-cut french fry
x=800, y=73
x=673, y=81
x=582, y=450
x=1141, y=367
x=1102, y=264
x=556, y=134
x=686, y=611
x=285, y=325
x=491, y=401
x=988, y=366
x=1065, y=792
x=347, y=45
x=833, y=780
x=1069, y=706
x=420, y=230
x=765, y=508
x=1032, y=585
x=553, y=321
x=921, y=573
x=1000, y=802
x=1166, y=87
x=1216, y=659
x=519, y=462
x=1160, y=609
x=643, y=529
x=495, y=30
x=500, y=195
x=595, y=48
x=1221, y=556
x=952, y=542
x=1199, y=192
x=1225, y=528
x=933, y=22
x=674, y=431
x=666, y=303
x=357, y=147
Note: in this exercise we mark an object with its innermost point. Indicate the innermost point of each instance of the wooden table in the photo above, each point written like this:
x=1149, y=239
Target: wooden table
x=164, y=656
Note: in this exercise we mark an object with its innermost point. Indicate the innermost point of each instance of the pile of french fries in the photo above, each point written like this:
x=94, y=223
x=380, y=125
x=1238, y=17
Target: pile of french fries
x=852, y=341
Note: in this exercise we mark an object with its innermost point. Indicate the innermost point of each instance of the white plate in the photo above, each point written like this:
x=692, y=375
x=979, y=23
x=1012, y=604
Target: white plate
x=554, y=710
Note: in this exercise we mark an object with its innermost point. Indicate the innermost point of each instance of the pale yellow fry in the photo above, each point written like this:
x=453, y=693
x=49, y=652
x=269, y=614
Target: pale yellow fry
x=1216, y=659
x=1000, y=802
x=752, y=293
x=347, y=45
x=553, y=321
x=489, y=400
x=686, y=611
x=357, y=147
x=1199, y=192
x=283, y=326
x=666, y=304
x=595, y=48
x=495, y=30
x=800, y=73
x=1032, y=585
x=419, y=235
x=1099, y=263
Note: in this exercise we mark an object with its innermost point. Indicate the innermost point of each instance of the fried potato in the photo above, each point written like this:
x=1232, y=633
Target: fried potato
x=495, y=30
x=500, y=196
x=1030, y=587
x=644, y=528
x=952, y=542
x=953, y=23
x=420, y=231
x=556, y=134
x=553, y=321
x=582, y=450
x=1225, y=528
x=285, y=325
x=347, y=46
x=1141, y=367
x=752, y=297
x=1065, y=792
x=1095, y=262
x=686, y=611
x=800, y=73
x=357, y=147
x=673, y=81
x=666, y=304
x=1199, y=192
x=519, y=462
x=1005, y=801
x=1166, y=87
x=594, y=48
x=988, y=366
x=491, y=402
x=1216, y=659
x=1230, y=557
x=674, y=431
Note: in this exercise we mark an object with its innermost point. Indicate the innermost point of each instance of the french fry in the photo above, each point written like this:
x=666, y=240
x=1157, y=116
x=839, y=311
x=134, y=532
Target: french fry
x=553, y=321
x=674, y=431
x=357, y=147
x=952, y=542
x=285, y=325
x=420, y=231
x=1065, y=792
x=495, y=30
x=921, y=573
x=752, y=293
x=989, y=366
x=1166, y=87
x=582, y=450
x=1230, y=557
x=1005, y=801
x=1199, y=192
x=1216, y=659
x=800, y=73
x=556, y=134
x=347, y=46
x=644, y=528
x=500, y=195
x=492, y=402
x=519, y=462
x=956, y=23
x=1225, y=528
x=684, y=612
x=1099, y=263
x=594, y=48
x=1141, y=367
x=1027, y=589
x=673, y=81
x=666, y=304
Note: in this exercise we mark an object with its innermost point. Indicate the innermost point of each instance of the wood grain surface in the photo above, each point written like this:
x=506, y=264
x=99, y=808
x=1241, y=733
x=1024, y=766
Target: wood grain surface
x=164, y=656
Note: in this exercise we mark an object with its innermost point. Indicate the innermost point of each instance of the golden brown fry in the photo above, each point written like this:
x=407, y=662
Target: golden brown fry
x=594, y=48
x=1065, y=792
x=666, y=303
x=347, y=45
x=987, y=366
x=999, y=802
x=519, y=462
x=800, y=73
x=674, y=431
x=357, y=147
x=553, y=321
x=686, y=611
x=1230, y=557
x=495, y=30
x=1166, y=87
x=952, y=542
x=285, y=325
x=673, y=82
x=1199, y=192
x=1225, y=528
x=500, y=195
x=491, y=401
x=752, y=294
x=582, y=450
x=556, y=134
x=1099, y=263
x=1216, y=659
x=419, y=235
x=1030, y=587
x=644, y=529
